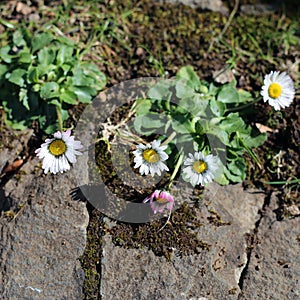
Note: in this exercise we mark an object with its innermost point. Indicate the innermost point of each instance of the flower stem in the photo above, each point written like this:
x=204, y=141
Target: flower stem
x=177, y=166
x=244, y=106
x=169, y=139
x=60, y=122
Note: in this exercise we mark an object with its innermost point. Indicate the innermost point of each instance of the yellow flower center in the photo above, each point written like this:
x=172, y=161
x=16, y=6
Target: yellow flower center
x=57, y=147
x=275, y=90
x=199, y=166
x=151, y=156
x=161, y=200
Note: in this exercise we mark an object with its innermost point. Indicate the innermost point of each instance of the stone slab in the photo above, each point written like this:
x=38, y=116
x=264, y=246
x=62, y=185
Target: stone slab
x=40, y=246
x=212, y=274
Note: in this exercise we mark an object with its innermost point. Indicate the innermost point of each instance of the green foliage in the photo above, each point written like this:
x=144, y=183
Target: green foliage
x=206, y=117
x=43, y=75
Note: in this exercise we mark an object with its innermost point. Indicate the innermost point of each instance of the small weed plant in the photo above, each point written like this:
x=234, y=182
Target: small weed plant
x=41, y=77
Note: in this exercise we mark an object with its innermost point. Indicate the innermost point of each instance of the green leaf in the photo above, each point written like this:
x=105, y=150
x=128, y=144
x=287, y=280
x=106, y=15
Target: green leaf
x=64, y=54
x=232, y=123
x=148, y=124
x=244, y=96
x=196, y=105
x=228, y=94
x=24, y=98
x=238, y=167
x=17, y=77
x=160, y=91
x=18, y=39
x=190, y=76
x=217, y=108
x=41, y=40
x=46, y=56
x=183, y=90
x=49, y=90
x=84, y=93
x=3, y=70
x=25, y=57
x=92, y=71
x=253, y=141
x=68, y=97
x=4, y=54
x=33, y=75
x=143, y=106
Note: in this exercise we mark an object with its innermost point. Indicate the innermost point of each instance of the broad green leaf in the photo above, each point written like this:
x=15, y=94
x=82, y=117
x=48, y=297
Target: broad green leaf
x=238, y=167
x=228, y=94
x=33, y=75
x=93, y=71
x=49, y=90
x=183, y=90
x=80, y=79
x=4, y=54
x=232, y=178
x=41, y=40
x=148, y=124
x=64, y=54
x=244, y=96
x=17, y=77
x=3, y=70
x=46, y=56
x=187, y=73
x=232, y=123
x=25, y=57
x=160, y=91
x=253, y=141
x=18, y=39
x=68, y=97
x=217, y=108
x=143, y=106
x=196, y=105
x=84, y=93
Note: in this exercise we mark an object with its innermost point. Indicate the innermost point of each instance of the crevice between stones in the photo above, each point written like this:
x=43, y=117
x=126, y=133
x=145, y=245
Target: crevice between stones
x=251, y=240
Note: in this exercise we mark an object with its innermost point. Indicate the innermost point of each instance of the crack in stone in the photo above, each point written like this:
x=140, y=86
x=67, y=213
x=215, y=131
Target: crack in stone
x=251, y=242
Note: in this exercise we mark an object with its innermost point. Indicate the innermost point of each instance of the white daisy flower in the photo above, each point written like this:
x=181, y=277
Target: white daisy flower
x=149, y=158
x=57, y=152
x=200, y=169
x=278, y=89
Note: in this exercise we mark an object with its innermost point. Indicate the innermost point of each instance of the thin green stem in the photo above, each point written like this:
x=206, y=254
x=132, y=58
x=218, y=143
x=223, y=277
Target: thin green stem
x=177, y=166
x=283, y=182
x=60, y=122
x=244, y=106
x=169, y=139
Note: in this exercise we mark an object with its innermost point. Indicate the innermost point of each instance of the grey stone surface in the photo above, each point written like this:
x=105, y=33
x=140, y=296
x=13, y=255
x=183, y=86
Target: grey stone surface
x=274, y=265
x=213, y=274
x=40, y=246
x=213, y=5
x=12, y=144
